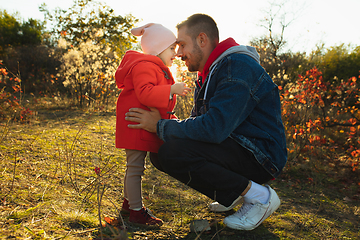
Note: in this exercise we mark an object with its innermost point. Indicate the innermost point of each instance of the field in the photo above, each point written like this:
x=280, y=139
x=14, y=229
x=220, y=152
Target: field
x=49, y=189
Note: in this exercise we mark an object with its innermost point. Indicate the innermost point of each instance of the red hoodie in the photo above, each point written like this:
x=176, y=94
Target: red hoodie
x=220, y=48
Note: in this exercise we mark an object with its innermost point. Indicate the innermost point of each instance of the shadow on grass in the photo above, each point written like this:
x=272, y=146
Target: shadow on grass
x=229, y=234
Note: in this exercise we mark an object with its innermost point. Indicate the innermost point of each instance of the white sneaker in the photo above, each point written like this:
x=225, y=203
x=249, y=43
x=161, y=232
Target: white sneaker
x=252, y=214
x=218, y=207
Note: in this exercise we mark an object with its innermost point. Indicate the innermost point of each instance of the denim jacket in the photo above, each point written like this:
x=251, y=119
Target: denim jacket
x=238, y=100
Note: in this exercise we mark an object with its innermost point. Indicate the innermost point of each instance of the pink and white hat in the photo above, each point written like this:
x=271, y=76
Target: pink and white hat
x=155, y=38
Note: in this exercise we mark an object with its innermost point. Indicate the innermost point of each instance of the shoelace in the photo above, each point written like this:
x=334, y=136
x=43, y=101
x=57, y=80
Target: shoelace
x=145, y=213
x=244, y=209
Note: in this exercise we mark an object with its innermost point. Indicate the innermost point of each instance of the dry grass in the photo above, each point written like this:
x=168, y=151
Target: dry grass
x=49, y=189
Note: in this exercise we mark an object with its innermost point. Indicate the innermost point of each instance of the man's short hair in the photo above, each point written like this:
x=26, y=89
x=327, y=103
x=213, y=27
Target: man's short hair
x=199, y=23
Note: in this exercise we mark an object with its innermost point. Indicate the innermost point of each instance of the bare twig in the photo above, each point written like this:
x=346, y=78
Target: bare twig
x=99, y=199
x=5, y=132
x=13, y=178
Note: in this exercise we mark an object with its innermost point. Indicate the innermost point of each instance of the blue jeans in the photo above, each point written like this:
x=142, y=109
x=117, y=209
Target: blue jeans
x=219, y=171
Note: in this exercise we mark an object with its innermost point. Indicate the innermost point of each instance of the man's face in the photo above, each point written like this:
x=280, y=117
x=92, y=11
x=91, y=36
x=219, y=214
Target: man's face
x=189, y=51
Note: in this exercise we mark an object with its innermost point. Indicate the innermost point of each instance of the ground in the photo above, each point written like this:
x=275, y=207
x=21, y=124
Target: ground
x=50, y=189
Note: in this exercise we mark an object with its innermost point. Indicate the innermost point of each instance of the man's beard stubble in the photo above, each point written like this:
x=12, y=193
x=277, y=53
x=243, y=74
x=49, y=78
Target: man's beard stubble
x=197, y=55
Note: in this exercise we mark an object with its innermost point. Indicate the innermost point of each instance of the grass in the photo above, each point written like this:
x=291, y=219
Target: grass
x=49, y=189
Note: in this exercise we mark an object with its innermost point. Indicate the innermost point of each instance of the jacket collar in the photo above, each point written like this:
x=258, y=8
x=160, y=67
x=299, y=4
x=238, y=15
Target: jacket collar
x=219, y=49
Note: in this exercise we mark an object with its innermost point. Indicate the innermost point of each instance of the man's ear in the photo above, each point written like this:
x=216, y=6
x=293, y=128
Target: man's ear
x=202, y=39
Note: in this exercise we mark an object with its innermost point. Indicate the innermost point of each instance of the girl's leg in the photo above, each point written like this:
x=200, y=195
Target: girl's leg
x=135, y=166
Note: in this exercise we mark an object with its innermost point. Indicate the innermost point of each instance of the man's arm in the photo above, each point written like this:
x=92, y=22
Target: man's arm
x=147, y=119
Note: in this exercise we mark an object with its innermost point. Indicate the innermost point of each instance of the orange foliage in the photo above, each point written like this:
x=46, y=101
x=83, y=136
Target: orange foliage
x=10, y=107
x=322, y=118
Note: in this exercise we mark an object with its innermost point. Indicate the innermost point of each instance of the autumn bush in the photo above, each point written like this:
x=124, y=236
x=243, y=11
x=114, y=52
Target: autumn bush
x=88, y=70
x=184, y=103
x=322, y=119
x=37, y=67
x=10, y=98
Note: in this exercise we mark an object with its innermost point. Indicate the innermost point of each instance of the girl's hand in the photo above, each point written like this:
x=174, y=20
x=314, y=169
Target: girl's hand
x=180, y=89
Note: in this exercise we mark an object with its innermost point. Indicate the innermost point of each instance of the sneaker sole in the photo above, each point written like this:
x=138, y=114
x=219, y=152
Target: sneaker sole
x=268, y=212
x=125, y=213
x=222, y=208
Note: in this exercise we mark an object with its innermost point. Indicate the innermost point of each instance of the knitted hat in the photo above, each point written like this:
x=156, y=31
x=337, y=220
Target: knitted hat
x=155, y=38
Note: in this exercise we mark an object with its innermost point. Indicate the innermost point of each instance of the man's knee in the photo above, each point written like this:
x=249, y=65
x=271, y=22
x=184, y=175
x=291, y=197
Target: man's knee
x=154, y=158
x=169, y=154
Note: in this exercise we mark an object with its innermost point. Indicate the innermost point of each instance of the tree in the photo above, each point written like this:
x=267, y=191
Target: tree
x=92, y=39
x=24, y=56
x=36, y=66
x=89, y=72
x=15, y=33
x=337, y=63
x=79, y=22
x=283, y=67
x=31, y=32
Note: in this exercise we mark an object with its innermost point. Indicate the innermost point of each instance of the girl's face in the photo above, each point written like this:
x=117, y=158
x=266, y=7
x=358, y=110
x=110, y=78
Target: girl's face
x=168, y=55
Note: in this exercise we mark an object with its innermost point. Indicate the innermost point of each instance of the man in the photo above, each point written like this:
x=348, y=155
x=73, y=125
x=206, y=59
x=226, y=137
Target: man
x=234, y=141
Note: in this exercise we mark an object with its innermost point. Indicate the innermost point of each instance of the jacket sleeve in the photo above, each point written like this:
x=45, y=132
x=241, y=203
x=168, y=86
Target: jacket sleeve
x=228, y=108
x=217, y=123
x=147, y=88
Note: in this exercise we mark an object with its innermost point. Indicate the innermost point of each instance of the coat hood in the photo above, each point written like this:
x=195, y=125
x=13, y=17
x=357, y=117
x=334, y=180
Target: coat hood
x=130, y=59
x=223, y=49
x=220, y=48
x=242, y=49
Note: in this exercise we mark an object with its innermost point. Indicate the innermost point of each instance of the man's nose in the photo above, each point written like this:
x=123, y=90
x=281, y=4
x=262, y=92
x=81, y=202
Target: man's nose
x=179, y=53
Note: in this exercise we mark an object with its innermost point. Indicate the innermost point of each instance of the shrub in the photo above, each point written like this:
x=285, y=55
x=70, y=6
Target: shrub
x=89, y=71
x=10, y=99
x=321, y=117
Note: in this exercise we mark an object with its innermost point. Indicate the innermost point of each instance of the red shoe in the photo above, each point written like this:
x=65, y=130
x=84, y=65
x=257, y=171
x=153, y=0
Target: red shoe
x=144, y=218
x=125, y=210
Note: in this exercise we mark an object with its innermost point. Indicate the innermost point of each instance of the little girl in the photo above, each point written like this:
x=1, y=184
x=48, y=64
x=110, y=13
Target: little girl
x=146, y=81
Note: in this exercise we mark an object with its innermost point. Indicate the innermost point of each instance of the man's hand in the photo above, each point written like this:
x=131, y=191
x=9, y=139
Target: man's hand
x=147, y=119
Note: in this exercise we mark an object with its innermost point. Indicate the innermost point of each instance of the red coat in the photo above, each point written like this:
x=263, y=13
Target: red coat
x=145, y=82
